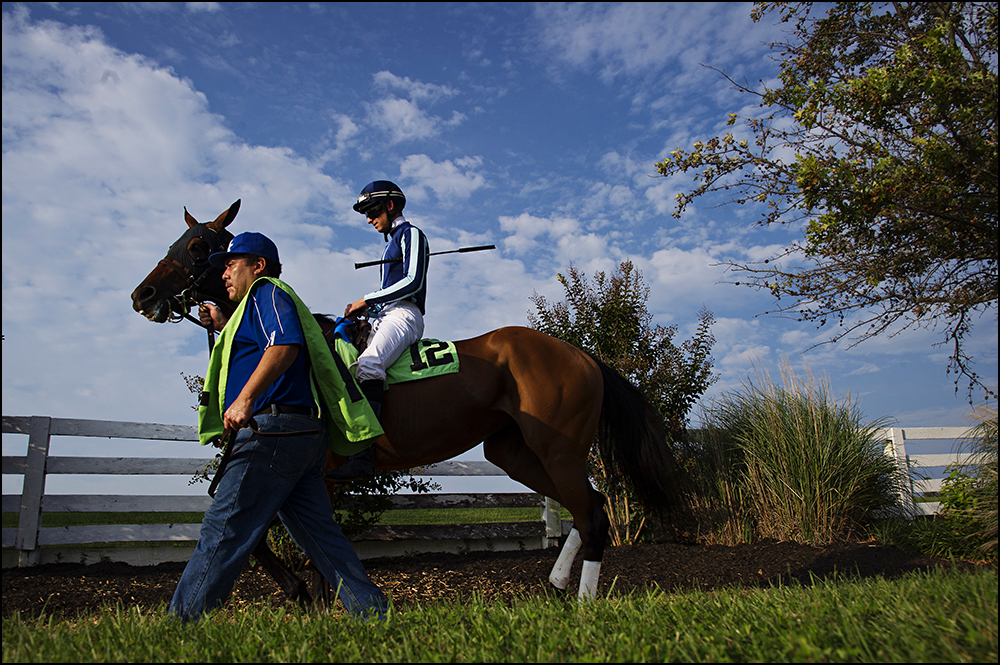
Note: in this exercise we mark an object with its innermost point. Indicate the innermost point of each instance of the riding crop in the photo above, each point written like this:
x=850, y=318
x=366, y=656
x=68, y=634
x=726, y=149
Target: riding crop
x=462, y=250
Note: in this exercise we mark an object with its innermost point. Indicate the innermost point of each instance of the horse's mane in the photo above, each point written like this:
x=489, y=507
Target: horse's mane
x=325, y=320
x=356, y=332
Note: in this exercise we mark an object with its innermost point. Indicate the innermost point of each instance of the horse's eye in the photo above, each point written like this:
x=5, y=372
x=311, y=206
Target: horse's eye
x=199, y=249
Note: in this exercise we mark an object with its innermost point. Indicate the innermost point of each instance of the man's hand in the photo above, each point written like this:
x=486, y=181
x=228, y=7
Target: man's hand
x=211, y=316
x=275, y=361
x=239, y=413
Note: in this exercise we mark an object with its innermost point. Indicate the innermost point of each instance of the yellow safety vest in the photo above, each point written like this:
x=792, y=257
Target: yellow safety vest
x=352, y=425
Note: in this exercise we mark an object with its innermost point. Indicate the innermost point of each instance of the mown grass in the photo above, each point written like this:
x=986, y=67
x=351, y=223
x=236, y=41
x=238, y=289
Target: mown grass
x=924, y=617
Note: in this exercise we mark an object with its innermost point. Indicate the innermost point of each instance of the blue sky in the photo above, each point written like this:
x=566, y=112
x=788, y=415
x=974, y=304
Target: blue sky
x=533, y=127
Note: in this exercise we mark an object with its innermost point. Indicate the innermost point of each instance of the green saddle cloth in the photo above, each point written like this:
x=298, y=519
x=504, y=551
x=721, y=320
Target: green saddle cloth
x=424, y=359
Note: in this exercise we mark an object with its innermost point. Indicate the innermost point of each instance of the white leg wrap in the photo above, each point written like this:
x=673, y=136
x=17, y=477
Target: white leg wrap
x=559, y=577
x=588, y=579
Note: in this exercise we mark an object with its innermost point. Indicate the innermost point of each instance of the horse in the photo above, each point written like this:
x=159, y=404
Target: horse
x=535, y=402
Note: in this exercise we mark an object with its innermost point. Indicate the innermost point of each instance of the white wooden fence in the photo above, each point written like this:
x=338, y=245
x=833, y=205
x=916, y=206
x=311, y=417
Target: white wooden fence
x=64, y=543
x=36, y=544
x=920, y=482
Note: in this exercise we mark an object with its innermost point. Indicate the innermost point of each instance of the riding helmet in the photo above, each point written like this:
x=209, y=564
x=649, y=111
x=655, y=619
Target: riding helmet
x=378, y=192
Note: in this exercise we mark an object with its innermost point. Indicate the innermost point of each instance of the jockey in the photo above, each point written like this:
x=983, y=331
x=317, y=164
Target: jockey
x=395, y=310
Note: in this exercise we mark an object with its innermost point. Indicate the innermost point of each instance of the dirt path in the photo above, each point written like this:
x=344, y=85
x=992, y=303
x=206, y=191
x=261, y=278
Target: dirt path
x=69, y=589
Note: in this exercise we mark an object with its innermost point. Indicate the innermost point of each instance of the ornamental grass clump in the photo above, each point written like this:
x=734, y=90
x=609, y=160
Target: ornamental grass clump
x=789, y=462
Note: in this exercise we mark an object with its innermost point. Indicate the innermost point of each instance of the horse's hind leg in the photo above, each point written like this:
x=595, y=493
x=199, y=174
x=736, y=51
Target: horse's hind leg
x=294, y=588
x=593, y=548
x=508, y=451
x=571, y=488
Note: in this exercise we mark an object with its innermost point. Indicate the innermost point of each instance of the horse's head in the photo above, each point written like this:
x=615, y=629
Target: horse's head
x=184, y=276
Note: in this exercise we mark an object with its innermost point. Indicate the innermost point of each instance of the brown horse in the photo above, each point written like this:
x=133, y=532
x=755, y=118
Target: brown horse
x=535, y=402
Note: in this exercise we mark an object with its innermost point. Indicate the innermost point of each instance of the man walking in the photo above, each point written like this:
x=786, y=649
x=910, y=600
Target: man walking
x=268, y=360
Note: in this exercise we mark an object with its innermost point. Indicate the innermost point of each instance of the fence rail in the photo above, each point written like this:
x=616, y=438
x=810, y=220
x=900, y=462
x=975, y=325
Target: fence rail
x=29, y=538
x=895, y=446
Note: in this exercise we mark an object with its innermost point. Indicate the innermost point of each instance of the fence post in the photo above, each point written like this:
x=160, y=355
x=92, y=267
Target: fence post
x=30, y=516
x=552, y=514
x=897, y=442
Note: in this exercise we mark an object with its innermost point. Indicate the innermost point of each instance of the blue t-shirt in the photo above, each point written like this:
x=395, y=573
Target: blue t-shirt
x=270, y=319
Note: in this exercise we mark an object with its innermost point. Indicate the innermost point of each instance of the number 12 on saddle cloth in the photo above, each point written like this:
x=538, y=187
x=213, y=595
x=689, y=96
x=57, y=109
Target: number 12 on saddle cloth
x=424, y=359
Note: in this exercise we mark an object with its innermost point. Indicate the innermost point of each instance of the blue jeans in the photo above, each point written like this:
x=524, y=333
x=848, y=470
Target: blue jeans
x=269, y=475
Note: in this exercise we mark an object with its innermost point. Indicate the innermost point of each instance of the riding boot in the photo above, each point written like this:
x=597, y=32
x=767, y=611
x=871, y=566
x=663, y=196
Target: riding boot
x=361, y=466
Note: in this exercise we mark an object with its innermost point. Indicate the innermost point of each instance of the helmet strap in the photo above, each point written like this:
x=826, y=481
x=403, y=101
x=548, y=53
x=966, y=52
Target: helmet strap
x=388, y=213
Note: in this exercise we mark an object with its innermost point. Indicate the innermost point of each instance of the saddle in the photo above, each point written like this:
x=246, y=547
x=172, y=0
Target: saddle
x=426, y=357
x=355, y=332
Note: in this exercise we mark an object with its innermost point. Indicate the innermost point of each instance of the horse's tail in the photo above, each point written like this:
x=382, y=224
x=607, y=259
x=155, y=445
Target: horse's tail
x=633, y=445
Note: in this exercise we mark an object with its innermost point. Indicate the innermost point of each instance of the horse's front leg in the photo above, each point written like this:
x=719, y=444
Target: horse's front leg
x=291, y=585
x=593, y=555
x=594, y=537
x=559, y=577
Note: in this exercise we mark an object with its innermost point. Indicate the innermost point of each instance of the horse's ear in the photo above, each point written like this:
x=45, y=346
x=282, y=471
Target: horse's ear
x=189, y=218
x=226, y=218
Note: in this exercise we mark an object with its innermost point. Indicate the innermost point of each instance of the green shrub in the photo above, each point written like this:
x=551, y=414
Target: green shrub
x=609, y=319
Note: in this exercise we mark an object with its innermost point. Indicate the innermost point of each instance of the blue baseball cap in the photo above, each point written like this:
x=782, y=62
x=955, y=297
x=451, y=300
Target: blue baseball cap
x=246, y=243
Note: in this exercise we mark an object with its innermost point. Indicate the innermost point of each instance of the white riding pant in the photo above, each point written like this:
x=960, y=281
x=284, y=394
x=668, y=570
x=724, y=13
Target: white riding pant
x=393, y=331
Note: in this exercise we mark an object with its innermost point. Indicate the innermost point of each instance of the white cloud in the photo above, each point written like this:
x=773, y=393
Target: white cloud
x=415, y=90
x=451, y=181
x=456, y=119
x=636, y=38
x=404, y=119
x=95, y=177
x=865, y=368
x=343, y=138
x=525, y=230
x=196, y=7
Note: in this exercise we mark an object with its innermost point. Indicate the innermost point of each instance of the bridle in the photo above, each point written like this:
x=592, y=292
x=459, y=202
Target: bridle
x=191, y=295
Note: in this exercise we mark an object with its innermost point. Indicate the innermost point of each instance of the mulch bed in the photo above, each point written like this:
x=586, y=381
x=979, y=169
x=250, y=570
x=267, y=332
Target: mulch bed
x=69, y=589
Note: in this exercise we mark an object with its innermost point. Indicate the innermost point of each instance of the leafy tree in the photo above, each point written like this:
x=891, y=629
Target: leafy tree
x=881, y=138
x=610, y=320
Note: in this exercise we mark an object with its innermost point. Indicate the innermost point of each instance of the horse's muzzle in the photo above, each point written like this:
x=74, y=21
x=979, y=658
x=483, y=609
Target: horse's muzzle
x=160, y=313
x=147, y=302
x=157, y=312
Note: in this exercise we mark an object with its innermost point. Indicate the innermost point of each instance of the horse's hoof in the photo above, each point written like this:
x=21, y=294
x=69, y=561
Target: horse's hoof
x=301, y=595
